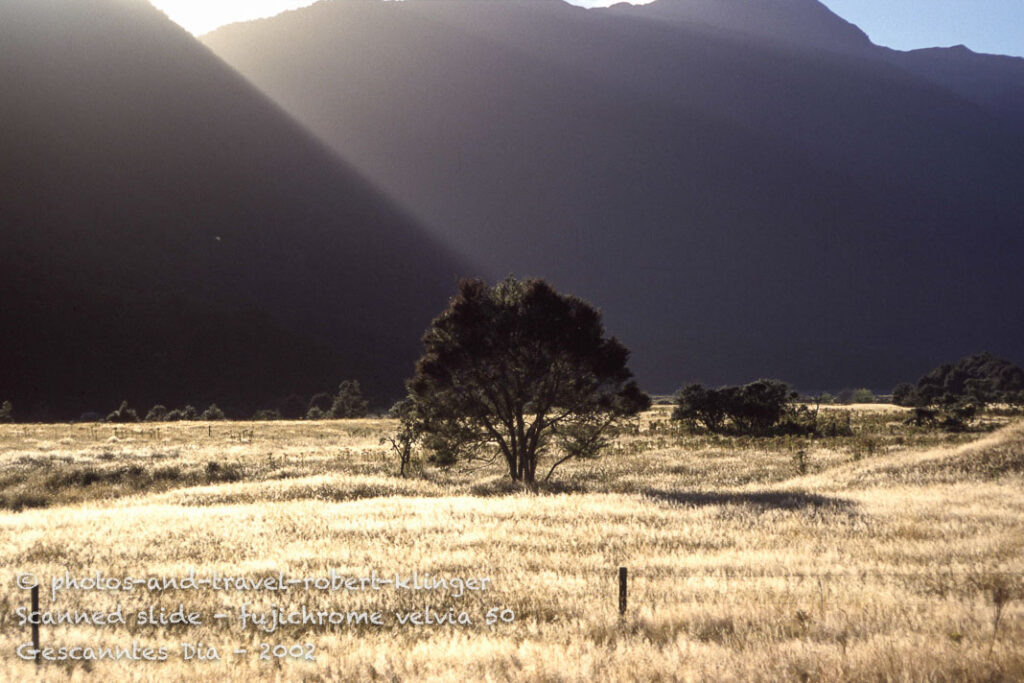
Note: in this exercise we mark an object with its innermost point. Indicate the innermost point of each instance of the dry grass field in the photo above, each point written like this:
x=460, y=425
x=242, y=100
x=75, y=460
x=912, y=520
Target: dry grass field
x=892, y=554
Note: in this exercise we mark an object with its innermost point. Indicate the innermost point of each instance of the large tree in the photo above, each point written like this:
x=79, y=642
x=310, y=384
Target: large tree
x=514, y=369
x=978, y=379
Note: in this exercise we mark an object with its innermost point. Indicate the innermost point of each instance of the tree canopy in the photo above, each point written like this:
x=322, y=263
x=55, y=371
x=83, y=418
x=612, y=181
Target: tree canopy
x=981, y=378
x=515, y=369
x=754, y=408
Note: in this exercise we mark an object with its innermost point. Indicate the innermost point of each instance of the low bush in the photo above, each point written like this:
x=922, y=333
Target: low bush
x=761, y=408
x=123, y=414
x=157, y=413
x=213, y=413
x=349, y=401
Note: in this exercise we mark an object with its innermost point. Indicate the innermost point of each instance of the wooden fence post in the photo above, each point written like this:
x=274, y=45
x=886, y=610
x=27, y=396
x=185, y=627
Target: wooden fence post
x=622, y=591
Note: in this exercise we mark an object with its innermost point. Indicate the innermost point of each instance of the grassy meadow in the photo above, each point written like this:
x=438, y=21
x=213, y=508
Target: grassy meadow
x=895, y=553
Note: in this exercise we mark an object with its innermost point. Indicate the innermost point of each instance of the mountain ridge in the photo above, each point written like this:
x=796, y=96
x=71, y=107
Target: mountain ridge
x=688, y=162
x=810, y=24
x=140, y=172
x=806, y=22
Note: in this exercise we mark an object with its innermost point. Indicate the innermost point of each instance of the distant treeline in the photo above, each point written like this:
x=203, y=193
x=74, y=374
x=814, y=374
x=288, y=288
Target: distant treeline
x=766, y=407
x=847, y=397
x=346, y=402
x=950, y=395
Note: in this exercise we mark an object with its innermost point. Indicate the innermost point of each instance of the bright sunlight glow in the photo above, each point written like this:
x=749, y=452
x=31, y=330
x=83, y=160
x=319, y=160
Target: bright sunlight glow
x=202, y=16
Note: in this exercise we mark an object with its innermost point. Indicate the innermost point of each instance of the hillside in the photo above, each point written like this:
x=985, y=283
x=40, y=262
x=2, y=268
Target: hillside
x=168, y=234
x=994, y=81
x=737, y=206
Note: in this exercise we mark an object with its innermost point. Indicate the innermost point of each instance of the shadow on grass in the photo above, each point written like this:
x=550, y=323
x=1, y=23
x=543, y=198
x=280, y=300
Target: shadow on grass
x=762, y=500
x=43, y=488
x=503, y=486
x=765, y=500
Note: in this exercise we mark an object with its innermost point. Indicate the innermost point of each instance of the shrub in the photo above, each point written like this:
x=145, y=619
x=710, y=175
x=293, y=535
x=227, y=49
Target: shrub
x=905, y=395
x=16, y=501
x=123, y=414
x=952, y=395
x=845, y=396
x=757, y=408
x=978, y=379
x=404, y=438
x=585, y=438
x=835, y=425
x=216, y=472
x=271, y=414
x=213, y=413
x=797, y=421
x=157, y=413
x=863, y=396
x=323, y=401
x=186, y=413
x=348, y=402
x=923, y=417
x=6, y=412
x=699, y=405
x=958, y=417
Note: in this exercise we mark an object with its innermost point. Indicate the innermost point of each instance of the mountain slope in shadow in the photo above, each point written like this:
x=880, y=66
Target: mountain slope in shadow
x=807, y=23
x=737, y=207
x=995, y=81
x=169, y=234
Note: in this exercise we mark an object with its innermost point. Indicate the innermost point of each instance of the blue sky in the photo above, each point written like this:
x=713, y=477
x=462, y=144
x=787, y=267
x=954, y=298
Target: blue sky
x=995, y=26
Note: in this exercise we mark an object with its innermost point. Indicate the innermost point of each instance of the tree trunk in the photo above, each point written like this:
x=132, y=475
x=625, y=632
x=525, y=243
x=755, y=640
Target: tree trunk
x=529, y=467
x=513, y=466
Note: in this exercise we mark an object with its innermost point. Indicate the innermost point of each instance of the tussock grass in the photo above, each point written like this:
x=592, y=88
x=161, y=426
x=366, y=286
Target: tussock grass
x=900, y=565
x=991, y=457
x=332, y=488
x=46, y=465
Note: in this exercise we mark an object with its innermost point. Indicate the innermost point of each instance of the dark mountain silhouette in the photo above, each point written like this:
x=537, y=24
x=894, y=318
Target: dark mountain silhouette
x=992, y=80
x=739, y=206
x=806, y=23
x=168, y=234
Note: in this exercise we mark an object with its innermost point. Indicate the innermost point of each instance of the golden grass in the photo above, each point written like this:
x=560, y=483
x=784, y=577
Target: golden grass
x=888, y=567
x=989, y=457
